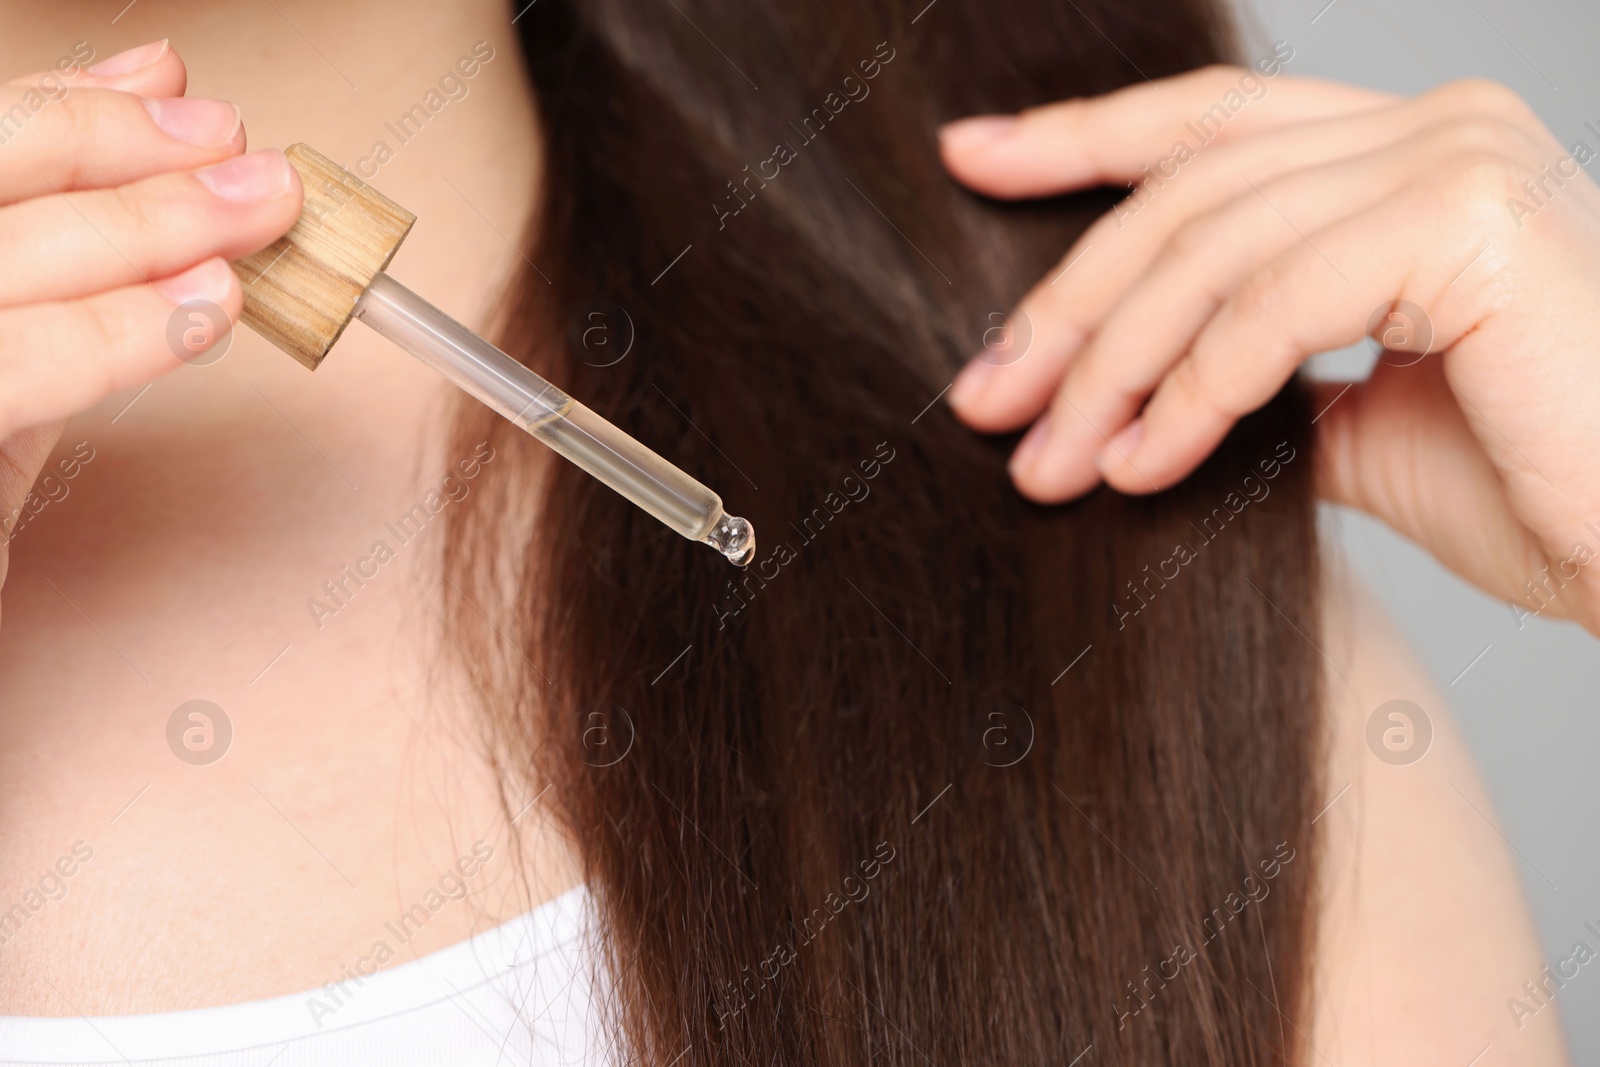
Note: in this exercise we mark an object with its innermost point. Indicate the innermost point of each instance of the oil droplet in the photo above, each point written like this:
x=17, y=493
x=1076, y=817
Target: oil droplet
x=735, y=538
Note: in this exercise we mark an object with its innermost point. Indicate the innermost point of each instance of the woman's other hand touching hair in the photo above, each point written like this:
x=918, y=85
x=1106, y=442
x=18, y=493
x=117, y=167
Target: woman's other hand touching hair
x=1452, y=227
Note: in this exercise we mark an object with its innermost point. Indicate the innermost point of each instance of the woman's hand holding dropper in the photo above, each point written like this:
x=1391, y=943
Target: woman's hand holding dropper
x=120, y=199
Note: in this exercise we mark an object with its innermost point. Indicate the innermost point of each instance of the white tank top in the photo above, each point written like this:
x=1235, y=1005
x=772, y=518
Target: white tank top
x=521, y=993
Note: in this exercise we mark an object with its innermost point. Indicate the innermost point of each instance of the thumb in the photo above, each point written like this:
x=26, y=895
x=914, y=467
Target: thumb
x=22, y=456
x=1398, y=447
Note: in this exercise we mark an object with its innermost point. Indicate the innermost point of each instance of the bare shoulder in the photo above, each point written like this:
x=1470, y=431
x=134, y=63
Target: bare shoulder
x=1425, y=940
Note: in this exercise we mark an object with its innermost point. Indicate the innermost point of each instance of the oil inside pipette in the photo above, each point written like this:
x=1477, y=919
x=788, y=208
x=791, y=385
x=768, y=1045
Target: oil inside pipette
x=571, y=429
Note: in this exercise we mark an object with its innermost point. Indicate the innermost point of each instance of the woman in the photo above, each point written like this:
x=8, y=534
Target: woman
x=947, y=776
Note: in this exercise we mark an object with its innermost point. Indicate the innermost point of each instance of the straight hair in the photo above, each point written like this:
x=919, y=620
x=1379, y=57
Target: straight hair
x=945, y=776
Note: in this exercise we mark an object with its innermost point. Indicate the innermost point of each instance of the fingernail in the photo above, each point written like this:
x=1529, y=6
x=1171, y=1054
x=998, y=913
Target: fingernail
x=976, y=132
x=1032, y=446
x=195, y=120
x=133, y=59
x=211, y=281
x=255, y=176
x=1121, y=448
x=971, y=382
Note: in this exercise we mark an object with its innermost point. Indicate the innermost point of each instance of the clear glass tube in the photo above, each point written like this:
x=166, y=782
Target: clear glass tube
x=553, y=417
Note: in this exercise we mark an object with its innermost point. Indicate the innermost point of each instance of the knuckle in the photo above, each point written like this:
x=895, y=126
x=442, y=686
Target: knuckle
x=1187, y=383
x=80, y=114
x=77, y=117
x=1478, y=184
x=1194, y=387
x=136, y=215
x=82, y=121
x=1474, y=135
x=103, y=326
x=1195, y=239
x=1480, y=96
x=1253, y=304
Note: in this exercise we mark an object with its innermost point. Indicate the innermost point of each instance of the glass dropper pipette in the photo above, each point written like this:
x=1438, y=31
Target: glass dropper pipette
x=553, y=417
x=303, y=289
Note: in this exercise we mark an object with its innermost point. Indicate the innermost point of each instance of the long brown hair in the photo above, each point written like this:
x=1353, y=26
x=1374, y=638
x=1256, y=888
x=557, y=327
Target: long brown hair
x=943, y=777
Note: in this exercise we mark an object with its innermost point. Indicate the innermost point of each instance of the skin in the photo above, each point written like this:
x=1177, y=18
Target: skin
x=178, y=566
x=1423, y=932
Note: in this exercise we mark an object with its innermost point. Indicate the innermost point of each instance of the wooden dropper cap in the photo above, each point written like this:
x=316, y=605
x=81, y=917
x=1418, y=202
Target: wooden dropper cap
x=301, y=291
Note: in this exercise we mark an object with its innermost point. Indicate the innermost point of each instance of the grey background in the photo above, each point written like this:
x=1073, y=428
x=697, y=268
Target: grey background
x=1529, y=706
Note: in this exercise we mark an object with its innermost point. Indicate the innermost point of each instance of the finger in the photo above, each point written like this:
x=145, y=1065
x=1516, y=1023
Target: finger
x=58, y=359
x=134, y=71
x=1398, y=447
x=22, y=454
x=1153, y=325
x=93, y=138
x=59, y=247
x=1069, y=305
x=1072, y=303
x=1318, y=296
x=1110, y=139
x=152, y=69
